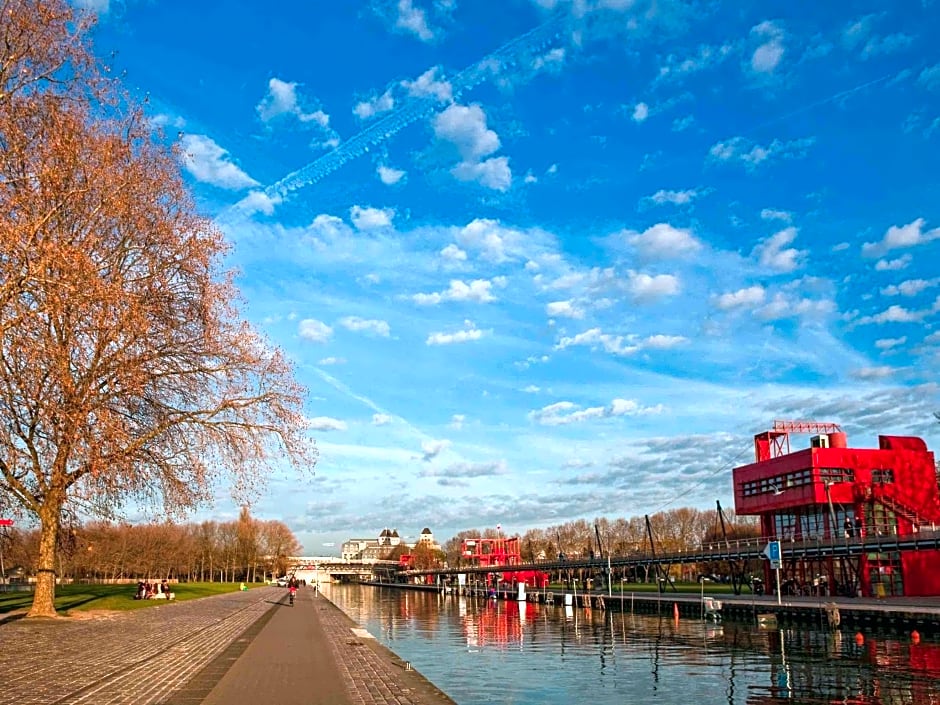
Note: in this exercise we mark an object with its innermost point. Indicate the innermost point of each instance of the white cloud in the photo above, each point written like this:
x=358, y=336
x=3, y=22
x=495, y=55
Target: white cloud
x=889, y=343
x=427, y=84
x=565, y=412
x=260, y=202
x=750, y=296
x=381, y=419
x=929, y=78
x=911, y=287
x=281, y=99
x=414, y=20
x=663, y=342
x=786, y=306
x=892, y=314
x=493, y=173
x=743, y=150
x=893, y=265
x=551, y=60
x=371, y=218
x=465, y=127
x=431, y=449
x=469, y=332
x=366, y=325
x=597, y=339
x=859, y=33
x=478, y=291
x=663, y=241
x=315, y=331
x=564, y=309
x=375, y=105
x=933, y=338
x=897, y=237
x=491, y=238
x=453, y=253
x=771, y=214
x=767, y=56
x=774, y=254
x=388, y=175
x=645, y=287
x=326, y=423
x=873, y=373
x=676, y=198
x=211, y=164
x=332, y=361
x=706, y=57
x=457, y=421
x=641, y=111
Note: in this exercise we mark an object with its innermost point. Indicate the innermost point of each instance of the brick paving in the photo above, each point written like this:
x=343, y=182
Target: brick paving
x=235, y=649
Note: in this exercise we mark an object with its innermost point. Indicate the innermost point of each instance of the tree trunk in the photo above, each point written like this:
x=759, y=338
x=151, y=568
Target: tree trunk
x=44, y=597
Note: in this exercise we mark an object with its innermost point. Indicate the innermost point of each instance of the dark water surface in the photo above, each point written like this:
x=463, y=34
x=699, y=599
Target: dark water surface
x=484, y=651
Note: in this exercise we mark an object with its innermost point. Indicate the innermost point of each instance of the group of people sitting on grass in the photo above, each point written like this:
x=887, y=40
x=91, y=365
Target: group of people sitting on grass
x=154, y=591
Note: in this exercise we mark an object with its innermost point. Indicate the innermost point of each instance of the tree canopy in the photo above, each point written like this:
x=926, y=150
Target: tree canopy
x=126, y=370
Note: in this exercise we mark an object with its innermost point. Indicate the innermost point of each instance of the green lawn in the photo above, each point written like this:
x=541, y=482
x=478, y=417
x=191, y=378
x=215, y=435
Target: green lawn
x=112, y=597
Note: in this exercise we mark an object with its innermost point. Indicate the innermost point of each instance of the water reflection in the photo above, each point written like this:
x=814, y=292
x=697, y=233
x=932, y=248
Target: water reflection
x=488, y=651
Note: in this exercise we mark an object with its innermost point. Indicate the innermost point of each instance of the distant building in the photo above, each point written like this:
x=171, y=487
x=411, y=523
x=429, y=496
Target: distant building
x=378, y=548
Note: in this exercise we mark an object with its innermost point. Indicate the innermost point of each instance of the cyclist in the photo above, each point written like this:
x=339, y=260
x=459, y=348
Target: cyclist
x=292, y=587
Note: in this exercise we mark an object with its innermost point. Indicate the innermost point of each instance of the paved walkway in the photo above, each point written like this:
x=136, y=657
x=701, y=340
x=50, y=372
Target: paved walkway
x=236, y=649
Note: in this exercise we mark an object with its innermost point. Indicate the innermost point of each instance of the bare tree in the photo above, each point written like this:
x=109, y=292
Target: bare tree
x=126, y=371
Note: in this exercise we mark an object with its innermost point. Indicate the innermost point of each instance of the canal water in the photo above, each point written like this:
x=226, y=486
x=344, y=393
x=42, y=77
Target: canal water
x=481, y=651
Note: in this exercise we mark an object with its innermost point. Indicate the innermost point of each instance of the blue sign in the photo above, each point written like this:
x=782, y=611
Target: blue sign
x=772, y=551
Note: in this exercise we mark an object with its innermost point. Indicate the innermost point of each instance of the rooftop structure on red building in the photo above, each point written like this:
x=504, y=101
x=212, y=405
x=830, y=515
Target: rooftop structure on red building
x=826, y=490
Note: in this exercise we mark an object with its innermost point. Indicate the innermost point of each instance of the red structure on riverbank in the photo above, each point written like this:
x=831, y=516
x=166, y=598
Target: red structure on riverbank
x=501, y=552
x=828, y=490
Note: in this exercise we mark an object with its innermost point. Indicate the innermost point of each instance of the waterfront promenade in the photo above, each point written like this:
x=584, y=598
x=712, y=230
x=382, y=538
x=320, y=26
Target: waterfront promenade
x=235, y=649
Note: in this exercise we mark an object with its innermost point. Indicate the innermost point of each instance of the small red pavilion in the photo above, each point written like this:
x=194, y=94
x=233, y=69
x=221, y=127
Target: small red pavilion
x=828, y=490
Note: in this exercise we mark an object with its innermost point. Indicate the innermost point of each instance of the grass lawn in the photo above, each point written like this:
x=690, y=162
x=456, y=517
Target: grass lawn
x=112, y=597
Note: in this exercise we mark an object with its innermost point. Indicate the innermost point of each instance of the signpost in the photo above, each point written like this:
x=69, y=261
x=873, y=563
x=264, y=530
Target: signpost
x=3, y=572
x=772, y=553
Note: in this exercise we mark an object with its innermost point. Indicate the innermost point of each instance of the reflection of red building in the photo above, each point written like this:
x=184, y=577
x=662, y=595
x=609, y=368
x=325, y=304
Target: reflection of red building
x=829, y=490
x=501, y=552
x=498, y=623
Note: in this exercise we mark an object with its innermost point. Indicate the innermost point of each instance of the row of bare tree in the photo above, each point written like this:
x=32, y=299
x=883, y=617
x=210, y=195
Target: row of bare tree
x=675, y=530
x=246, y=549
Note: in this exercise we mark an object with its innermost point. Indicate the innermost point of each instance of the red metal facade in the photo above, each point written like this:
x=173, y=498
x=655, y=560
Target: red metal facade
x=501, y=552
x=829, y=490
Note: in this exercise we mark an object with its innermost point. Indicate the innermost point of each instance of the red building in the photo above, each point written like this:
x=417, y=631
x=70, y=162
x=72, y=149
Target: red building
x=501, y=552
x=828, y=490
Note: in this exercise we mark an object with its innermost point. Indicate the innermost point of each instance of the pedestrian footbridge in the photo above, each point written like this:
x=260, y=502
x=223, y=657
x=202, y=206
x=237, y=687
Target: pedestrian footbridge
x=327, y=569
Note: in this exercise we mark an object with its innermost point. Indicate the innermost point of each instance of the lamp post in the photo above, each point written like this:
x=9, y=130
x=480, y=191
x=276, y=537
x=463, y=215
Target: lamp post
x=3, y=573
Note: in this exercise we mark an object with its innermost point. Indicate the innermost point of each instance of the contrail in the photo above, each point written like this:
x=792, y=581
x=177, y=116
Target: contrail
x=415, y=108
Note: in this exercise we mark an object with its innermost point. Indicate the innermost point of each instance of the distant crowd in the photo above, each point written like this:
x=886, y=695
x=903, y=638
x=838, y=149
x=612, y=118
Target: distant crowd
x=154, y=591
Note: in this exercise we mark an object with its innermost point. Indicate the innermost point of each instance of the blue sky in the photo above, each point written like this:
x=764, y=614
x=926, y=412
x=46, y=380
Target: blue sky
x=542, y=260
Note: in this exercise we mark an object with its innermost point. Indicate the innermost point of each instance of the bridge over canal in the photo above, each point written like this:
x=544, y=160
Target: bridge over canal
x=738, y=554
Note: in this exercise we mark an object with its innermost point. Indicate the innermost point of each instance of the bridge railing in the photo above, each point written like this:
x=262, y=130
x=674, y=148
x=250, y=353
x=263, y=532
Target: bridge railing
x=726, y=549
